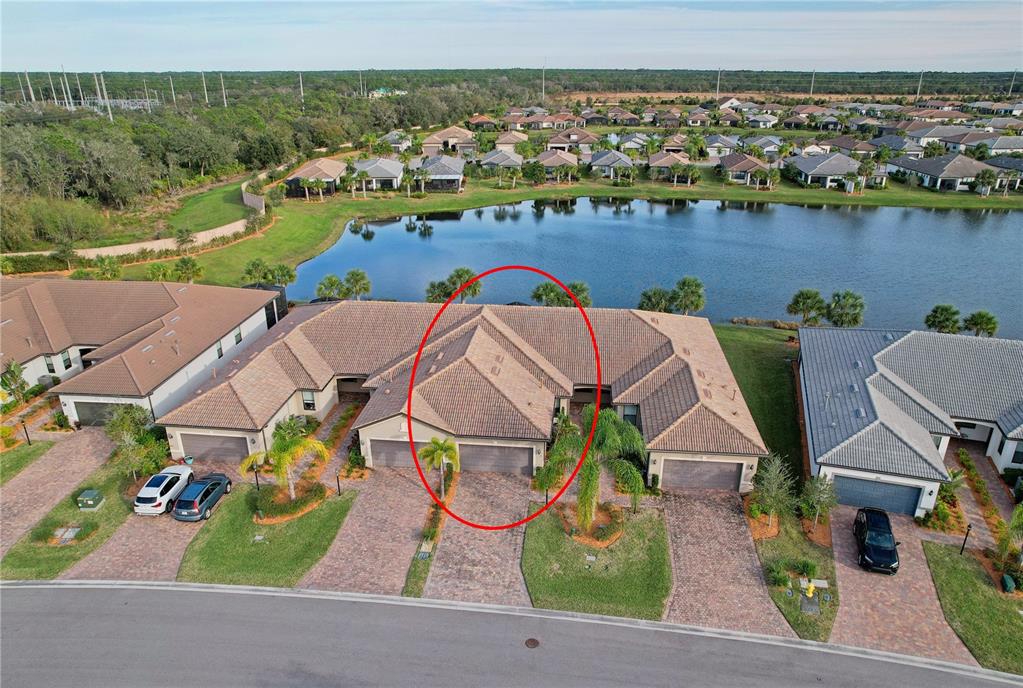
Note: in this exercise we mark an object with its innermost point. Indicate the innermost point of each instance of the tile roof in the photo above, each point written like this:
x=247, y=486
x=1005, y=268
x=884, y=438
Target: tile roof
x=440, y=165
x=557, y=158
x=831, y=164
x=610, y=158
x=952, y=165
x=457, y=134
x=740, y=162
x=575, y=136
x=502, y=158
x=897, y=143
x=511, y=362
x=512, y=137
x=380, y=168
x=850, y=143
x=320, y=168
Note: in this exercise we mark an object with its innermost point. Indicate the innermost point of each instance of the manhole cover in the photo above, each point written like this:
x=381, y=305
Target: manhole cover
x=532, y=643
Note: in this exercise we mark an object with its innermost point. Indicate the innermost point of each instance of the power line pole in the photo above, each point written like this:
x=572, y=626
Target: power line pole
x=99, y=95
x=31, y=93
x=106, y=98
x=813, y=78
x=223, y=92
x=67, y=89
x=81, y=94
x=53, y=91
x=145, y=89
x=717, y=90
x=919, y=84
x=24, y=99
x=543, y=83
x=174, y=96
x=205, y=93
x=362, y=89
x=1013, y=82
x=301, y=91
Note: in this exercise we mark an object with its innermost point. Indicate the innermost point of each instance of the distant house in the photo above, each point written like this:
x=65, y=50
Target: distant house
x=553, y=159
x=829, y=123
x=727, y=102
x=795, y=122
x=660, y=163
x=610, y=163
x=762, y=121
x=507, y=141
x=326, y=170
x=988, y=107
x=676, y=143
x=864, y=124
x=1001, y=145
x=932, y=115
x=810, y=148
x=384, y=173
x=592, y=117
x=899, y=145
x=451, y=140
x=772, y=108
x=1001, y=124
x=719, y=145
x=482, y=123
x=769, y=144
x=697, y=119
x=633, y=141
x=503, y=159
x=949, y=172
x=515, y=122
x=729, y=119
x=828, y=171
x=626, y=118
x=739, y=167
x=669, y=119
x=1010, y=167
x=447, y=173
x=850, y=145
x=959, y=143
x=399, y=141
x=925, y=133
x=649, y=115
x=572, y=139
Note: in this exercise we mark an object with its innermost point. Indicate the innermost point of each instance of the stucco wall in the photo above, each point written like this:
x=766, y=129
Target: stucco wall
x=749, y=465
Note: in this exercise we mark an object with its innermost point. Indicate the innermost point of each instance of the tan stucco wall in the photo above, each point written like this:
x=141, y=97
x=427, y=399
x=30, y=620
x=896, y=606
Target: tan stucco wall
x=749, y=465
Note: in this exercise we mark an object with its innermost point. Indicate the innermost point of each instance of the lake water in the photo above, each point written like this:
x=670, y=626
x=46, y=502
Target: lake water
x=751, y=257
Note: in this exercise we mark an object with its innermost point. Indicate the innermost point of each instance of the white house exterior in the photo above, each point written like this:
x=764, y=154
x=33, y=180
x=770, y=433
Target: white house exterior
x=950, y=172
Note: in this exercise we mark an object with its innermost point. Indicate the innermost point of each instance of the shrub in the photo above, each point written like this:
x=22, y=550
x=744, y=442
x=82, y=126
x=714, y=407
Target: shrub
x=755, y=511
x=614, y=527
x=806, y=568
x=941, y=513
x=267, y=500
x=776, y=572
x=7, y=436
x=60, y=419
x=35, y=390
x=43, y=531
x=86, y=528
x=355, y=459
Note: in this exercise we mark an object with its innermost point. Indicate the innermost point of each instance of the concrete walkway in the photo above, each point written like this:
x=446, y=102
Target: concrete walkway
x=986, y=469
x=31, y=494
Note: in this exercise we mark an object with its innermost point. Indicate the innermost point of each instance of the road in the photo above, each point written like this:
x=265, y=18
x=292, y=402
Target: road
x=95, y=634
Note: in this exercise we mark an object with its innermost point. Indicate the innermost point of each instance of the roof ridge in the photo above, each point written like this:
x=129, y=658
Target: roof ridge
x=689, y=412
x=724, y=420
x=35, y=309
x=526, y=348
x=640, y=380
x=899, y=438
x=500, y=391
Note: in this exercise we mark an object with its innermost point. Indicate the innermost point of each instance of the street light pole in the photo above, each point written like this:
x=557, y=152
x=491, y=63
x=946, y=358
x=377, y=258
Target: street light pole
x=256, y=471
x=25, y=428
x=969, y=527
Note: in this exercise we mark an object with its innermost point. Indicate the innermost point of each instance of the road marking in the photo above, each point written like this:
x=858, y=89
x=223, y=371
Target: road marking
x=479, y=608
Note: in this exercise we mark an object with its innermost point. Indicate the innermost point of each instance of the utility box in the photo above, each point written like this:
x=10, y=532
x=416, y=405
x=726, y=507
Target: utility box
x=90, y=500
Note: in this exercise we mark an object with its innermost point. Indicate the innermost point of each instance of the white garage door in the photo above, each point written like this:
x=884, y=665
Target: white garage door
x=496, y=459
x=392, y=453
x=708, y=475
x=214, y=447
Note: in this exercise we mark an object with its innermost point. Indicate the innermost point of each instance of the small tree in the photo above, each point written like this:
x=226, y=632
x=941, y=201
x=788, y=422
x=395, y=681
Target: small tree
x=819, y=498
x=12, y=380
x=159, y=272
x=1015, y=530
x=774, y=486
x=289, y=445
x=356, y=283
x=423, y=175
x=281, y=275
x=330, y=287
x=809, y=305
x=981, y=323
x=987, y=180
x=689, y=295
x=188, y=269
x=846, y=309
x=107, y=268
x=438, y=453
x=460, y=276
x=256, y=270
x=943, y=318
x=657, y=299
x=184, y=239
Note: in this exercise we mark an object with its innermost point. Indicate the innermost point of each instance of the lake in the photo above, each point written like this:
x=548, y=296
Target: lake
x=751, y=256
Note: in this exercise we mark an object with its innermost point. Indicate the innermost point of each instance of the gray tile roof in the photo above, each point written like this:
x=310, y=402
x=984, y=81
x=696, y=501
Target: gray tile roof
x=830, y=164
x=441, y=166
x=500, y=158
x=897, y=143
x=380, y=168
x=611, y=158
x=1006, y=162
x=950, y=165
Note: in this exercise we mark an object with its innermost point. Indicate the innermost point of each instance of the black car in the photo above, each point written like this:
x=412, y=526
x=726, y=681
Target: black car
x=878, y=550
x=196, y=502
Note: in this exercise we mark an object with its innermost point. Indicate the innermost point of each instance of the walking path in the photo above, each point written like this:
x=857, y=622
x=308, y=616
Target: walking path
x=201, y=238
x=996, y=486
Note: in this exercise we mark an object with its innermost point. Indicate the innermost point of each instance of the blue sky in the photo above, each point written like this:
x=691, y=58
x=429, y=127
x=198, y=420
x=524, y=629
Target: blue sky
x=798, y=35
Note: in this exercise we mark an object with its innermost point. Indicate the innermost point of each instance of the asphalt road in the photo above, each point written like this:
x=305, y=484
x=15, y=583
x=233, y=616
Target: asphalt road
x=152, y=635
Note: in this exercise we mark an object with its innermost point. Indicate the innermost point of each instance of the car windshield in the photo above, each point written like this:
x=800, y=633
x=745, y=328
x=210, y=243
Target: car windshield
x=878, y=539
x=192, y=492
x=156, y=480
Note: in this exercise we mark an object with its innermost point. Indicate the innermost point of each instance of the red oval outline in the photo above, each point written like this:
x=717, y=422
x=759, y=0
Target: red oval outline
x=412, y=382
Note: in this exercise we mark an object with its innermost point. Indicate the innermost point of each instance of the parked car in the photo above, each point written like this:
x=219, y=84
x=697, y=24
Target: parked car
x=158, y=494
x=196, y=501
x=875, y=541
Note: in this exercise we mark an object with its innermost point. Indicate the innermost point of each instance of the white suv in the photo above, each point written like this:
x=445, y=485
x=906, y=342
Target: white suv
x=158, y=494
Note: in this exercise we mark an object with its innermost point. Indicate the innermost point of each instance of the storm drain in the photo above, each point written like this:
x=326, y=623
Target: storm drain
x=532, y=643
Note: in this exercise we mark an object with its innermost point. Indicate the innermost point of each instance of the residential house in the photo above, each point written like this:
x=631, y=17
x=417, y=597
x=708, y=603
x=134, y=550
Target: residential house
x=769, y=144
x=865, y=124
x=795, y=122
x=451, y=140
x=384, y=173
x=153, y=347
x=926, y=133
x=399, y=141
x=880, y=408
x=594, y=118
x=949, y=172
x=850, y=145
x=959, y=143
x=1012, y=124
x=506, y=141
x=624, y=118
x=729, y=102
x=931, y=115
x=515, y=122
x=573, y=139
x=481, y=123
x=1001, y=145
x=649, y=115
x=988, y=107
x=746, y=107
x=719, y=145
x=1010, y=168
x=940, y=104
x=729, y=119
x=810, y=148
x=447, y=173
x=829, y=123
x=899, y=145
x=501, y=159
x=554, y=159
x=660, y=163
x=669, y=119
x=828, y=171
x=633, y=142
x=697, y=119
x=676, y=143
x=772, y=108
x=763, y=121
x=610, y=163
x=739, y=167
x=566, y=120
x=327, y=170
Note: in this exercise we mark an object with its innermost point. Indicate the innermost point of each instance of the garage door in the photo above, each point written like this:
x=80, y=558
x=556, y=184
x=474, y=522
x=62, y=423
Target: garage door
x=898, y=499
x=708, y=475
x=94, y=413
x=392, y=453
x=215, y=447
x=496, y=459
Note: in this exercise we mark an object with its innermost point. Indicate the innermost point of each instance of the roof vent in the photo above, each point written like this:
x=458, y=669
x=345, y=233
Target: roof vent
x=440, y=355
x=854, y=387
x=859, y=413
x=168, y=333
x=686, y=351
x=706, y=393
x=175, y=318
x=152, y=361
x=147, y=348
x=857, y=364
x=387, y=390
x=496, y=370
x=182, y=289
x=889, y=337
x=701, y=373
x=231, y=374
x=8, y=320
x=432, y=370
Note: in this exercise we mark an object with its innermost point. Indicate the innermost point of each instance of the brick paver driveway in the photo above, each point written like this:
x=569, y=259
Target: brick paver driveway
x=718, y=581
x=374, y=547
x=897, y=613
x=143, y=548
x=474, y=565
x=30, y=495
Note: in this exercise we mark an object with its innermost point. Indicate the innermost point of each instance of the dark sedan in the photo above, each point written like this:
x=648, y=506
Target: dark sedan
x=875, y=541
x=196, y=501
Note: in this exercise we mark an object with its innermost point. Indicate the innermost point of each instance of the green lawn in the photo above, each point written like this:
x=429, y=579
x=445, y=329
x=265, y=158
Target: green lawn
x=224, y=551
x=209, y=209
x=791, y=546
x=630, y=578
x=13, y=460
x=32, y=558
x=304, y=229
x=987, y=621
x=415, y=580
x=758, y=356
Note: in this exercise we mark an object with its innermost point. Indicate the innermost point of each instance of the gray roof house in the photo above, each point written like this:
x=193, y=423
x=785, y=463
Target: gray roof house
x=446, y=172
x=768, y=144
x=399, y=141
x=764, y=121
x=827, y=170
x=880, y=407
x=719, y=146
x=384, y=173
x=949, y=172
x=900, y=145
x=499, y=158
x=607, y=162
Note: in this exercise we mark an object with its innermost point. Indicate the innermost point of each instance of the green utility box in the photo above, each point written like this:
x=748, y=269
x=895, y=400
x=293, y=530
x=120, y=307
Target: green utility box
x=90, y=500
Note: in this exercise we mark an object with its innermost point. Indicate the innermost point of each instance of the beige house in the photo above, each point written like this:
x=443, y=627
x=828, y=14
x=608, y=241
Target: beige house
x=507, y=141
x=451, y=140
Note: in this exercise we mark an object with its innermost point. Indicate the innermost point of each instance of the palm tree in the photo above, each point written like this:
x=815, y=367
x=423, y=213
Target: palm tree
x=107, y=268
x=319, y=185
x=288, y=446
x=356, y=283
x=986, y=181
x=460, y=276
x=423, y=175
x=281, y=275
x=759, y=176
x=12, y=380
x=1015, y=529
x=689, y=295
x=846, y=309
x=981, y=323
x=677, y=170
x=514, y=174
x=852, y=180
x=437, y=453
x=306, y=184
x=616, y=444
x=656, y=299
x=407, y=180
x=256, y=271
x=188, y=269
x=565, y=170
x=809, y=304
x=362, y=176
x=184, y=239
x=692, y=173
x=159, y=272
x=866, y=172
x=943, y=318
x=330, y=287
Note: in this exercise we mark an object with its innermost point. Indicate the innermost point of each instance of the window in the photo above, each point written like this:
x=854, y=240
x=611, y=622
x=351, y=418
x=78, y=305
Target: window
x=66, y=359
x=238, y=336
x=220, y=350
x=1017, y=456
x=49, y=365
x=308, y=401
x=630, y=414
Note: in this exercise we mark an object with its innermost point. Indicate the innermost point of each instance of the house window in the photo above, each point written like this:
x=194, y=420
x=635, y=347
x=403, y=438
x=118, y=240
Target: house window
x=238, y=336
x=1017, y=456
x=309, y=401
x=630, y=414
x=220, y=350
x=66, y=359
x=49, y=365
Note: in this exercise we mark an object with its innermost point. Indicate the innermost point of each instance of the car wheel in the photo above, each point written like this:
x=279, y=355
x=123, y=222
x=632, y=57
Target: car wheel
x=170, y=507
x=206, y=514
x=227, y=490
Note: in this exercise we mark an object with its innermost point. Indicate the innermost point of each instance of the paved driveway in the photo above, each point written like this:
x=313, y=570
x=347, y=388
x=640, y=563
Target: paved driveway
x=374, y=547
x=473, y=565
x=31, y=494
x=897, y=613
x=718, y=580
x=143, y=548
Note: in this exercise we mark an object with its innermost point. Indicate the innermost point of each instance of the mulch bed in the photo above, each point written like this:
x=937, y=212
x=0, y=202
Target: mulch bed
x=759, y=528
x=602, y=517
x=821, y=535
x=994, y=574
